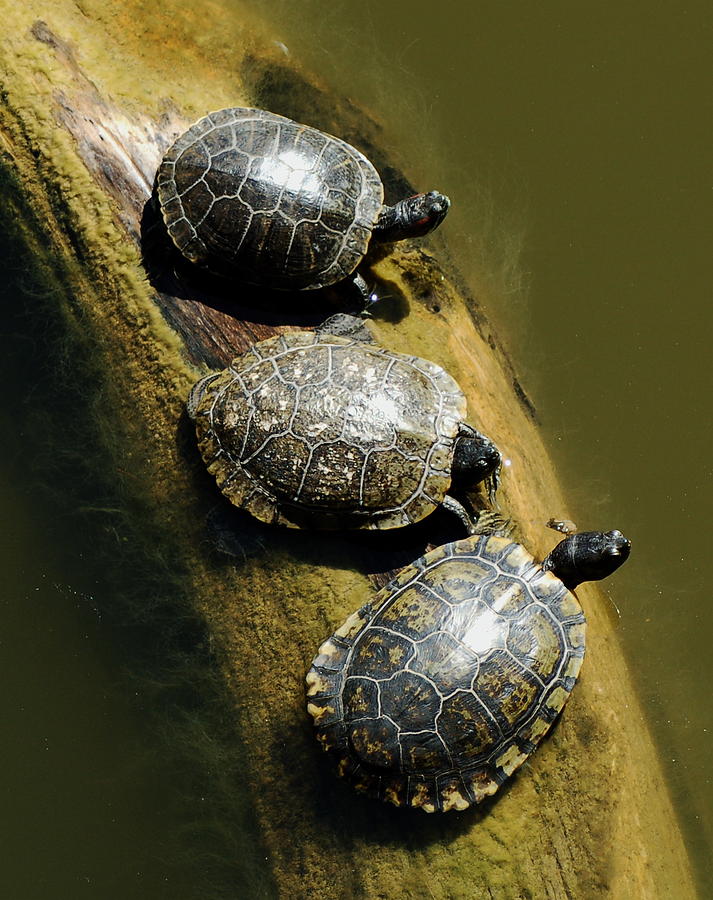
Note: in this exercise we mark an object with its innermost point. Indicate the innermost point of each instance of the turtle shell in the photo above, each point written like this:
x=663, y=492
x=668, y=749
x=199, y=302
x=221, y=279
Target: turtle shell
x=436, y=692
x=326, y=431
x=275, y=203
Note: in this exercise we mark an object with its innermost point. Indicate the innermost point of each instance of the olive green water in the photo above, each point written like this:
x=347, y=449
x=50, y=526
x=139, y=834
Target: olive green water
x=573, y=145
x=82, y=795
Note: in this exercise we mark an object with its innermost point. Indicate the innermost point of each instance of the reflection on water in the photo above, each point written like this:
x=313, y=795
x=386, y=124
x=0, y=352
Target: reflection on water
x=113, y=785
x=82, y=801
x=74, y=773
x=594, y=124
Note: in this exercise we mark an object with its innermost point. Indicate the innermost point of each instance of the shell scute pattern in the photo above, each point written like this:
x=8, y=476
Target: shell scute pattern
x=446, y=662
x=414, y=696
x=506, y=596
x=414, y=613
x=382, y=654
x=305, y=424
x=473, y=725
x=508, y=688
x=278, y=203
x=419, y=754
x=465, y=661
x=361, y=696
x=537, y=645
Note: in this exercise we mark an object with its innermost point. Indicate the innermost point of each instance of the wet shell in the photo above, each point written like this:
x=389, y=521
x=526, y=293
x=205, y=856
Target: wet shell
x=436, y=692
x=329, y=432
x=276, y=203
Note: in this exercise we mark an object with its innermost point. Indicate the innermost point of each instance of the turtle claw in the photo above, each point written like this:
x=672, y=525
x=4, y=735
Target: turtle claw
x=366, y=312
x=564, y=526
x=491, y=483
x=489, y=522
x=456, y=507
x=368, y=298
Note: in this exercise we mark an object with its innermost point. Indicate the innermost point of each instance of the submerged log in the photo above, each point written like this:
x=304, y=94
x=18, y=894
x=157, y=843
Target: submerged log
x=91, y=99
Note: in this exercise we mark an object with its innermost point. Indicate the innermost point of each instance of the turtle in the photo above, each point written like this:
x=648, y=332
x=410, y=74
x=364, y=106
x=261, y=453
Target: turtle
x=311, y=429
x=435, y=692
x=254, y=195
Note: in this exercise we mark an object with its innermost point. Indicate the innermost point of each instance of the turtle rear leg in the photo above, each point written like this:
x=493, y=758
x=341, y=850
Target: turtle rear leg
x=233, y=533
x=348, y=326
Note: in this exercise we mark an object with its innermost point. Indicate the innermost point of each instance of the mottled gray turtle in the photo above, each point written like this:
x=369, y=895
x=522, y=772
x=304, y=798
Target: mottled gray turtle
x=275, y=203
x=331, y=432
x=432, y=695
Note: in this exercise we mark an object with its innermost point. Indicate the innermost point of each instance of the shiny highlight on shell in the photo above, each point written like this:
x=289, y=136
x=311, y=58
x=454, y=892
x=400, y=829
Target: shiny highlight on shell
x=435, y=693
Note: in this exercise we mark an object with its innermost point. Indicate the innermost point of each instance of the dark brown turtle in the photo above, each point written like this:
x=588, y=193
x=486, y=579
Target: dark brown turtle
x=331, y=432
x=275, y=203
x=432, y=695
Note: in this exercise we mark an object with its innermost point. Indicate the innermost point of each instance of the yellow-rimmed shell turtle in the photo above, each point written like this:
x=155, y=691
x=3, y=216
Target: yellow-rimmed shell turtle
x=327, y=431
x=432, y=695
x=275, y=203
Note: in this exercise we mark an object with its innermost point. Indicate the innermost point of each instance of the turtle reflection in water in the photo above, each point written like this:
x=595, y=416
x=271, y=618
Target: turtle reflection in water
x=252, y=194
x=432, y=695
x=326, y=431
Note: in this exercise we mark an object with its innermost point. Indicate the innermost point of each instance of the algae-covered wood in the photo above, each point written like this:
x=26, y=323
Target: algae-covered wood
x=92, y=97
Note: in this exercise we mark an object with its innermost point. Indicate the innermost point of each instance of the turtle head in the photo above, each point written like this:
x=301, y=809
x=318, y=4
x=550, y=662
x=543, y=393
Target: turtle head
x=412, y=217
x=425, y=212
x=475, y=458
x=587, y=556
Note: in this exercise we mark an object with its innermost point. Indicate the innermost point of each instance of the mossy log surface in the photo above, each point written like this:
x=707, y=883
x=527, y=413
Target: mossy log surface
x=92, y=96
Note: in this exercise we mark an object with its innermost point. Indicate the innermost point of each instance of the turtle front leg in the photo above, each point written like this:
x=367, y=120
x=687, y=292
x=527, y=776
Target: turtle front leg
x=456, y=507
x=364, y=298
x=482, y=522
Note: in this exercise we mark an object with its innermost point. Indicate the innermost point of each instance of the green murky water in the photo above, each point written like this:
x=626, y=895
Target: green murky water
x=579, y=137
x=575, y=145
x=114, y=774
x=82, y=795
